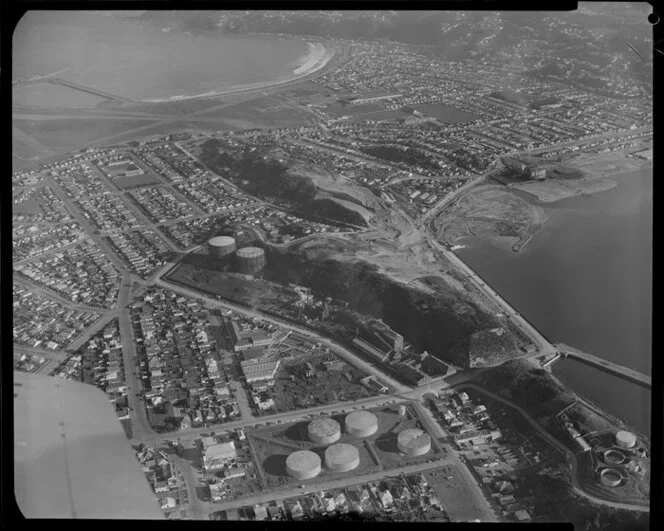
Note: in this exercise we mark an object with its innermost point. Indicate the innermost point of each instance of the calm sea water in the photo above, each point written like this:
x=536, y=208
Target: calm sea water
x=586, y=280
x=139, y=61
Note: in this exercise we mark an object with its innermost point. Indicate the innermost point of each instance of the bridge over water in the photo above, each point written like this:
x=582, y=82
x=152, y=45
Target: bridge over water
x=609, y=366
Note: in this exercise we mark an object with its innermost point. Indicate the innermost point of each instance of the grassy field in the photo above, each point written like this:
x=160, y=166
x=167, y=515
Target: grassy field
x=61, y=133
x=378, y=115
x=445, y=113
x=133, y=182
x=262, y=112
x=31, y=206
x=232, y=286
x=340, y=109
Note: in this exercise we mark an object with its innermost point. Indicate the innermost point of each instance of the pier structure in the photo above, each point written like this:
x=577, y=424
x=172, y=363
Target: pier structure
x=89, y=90
x=608, y=366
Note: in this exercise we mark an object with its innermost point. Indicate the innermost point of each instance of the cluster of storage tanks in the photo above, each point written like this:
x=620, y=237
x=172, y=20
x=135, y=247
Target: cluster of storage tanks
x=341, y=457
x=248, y=260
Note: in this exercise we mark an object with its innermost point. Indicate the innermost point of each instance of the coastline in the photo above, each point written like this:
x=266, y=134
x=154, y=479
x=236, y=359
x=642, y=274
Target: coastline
x=599, y=169
x=552, y=191
x=317, y=58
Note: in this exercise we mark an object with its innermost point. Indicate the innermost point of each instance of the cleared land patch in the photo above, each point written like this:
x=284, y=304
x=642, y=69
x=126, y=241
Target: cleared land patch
x=76, y=132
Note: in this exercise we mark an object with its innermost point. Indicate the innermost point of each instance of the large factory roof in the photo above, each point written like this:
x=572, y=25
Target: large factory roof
x=303, y=461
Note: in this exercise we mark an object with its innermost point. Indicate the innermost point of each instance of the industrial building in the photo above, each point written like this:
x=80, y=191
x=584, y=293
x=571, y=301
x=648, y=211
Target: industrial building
x=392, y=339
x=361, y=423
x=256, y=371
x=368, y=348
x=413, y=442
x=324, y=431
x=342, y=457
x=221, y=246
x=625, y=439
x=216, y=456
x=303, y=464
x=242, y=340
x=250, y=260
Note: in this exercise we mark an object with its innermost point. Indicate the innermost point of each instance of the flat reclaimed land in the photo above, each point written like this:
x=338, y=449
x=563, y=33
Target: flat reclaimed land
x=491, y=211
x=79, y=131
x=551, y=191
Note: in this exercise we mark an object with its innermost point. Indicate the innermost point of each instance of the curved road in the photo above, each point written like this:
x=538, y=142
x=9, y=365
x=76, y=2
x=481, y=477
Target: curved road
x=571, y=457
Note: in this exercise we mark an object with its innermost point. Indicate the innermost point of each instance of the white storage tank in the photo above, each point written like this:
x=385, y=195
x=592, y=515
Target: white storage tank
x=414, y=442
x=324, y=431
x=221, y=246
x=610, y=477
x=342, y=457
x=361, y=423
x=303, y=464
x=625, y=439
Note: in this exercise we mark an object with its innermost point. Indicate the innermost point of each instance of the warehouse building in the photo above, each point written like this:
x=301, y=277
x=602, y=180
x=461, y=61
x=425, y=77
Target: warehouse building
x=216, y=456
x=255, y=371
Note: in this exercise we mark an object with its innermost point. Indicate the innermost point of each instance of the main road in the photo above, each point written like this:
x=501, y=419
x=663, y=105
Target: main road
x=140, y=426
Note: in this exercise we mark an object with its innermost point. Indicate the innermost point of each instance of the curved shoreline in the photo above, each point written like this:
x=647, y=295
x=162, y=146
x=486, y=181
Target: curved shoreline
x=318, y=57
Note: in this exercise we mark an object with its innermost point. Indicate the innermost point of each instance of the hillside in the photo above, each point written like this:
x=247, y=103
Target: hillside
x=302, y=189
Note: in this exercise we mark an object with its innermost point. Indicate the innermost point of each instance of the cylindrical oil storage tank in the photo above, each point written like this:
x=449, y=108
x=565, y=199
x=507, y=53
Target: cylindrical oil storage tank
x=625, y=439
x=303, y=464
x=250, y=260
x=361, y=423
x=610, y=477
x=324, y=431
x=342, y=457
x=413, y=442
x=613, y=457
x=221, y=246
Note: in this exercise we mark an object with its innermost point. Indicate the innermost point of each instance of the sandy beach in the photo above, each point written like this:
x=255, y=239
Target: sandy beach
x=318, y=56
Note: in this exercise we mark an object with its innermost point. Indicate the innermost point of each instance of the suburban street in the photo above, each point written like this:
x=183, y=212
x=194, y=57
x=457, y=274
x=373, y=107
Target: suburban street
x=317, y=487
x=139, y=421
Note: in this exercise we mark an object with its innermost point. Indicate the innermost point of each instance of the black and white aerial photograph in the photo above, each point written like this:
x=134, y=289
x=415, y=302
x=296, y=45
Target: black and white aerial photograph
x=353, y=266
